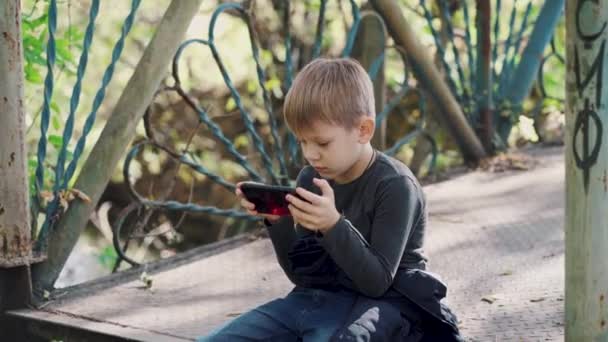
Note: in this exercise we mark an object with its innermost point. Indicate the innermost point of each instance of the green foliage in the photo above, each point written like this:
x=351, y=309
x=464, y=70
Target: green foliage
x=34, y=30
x=107, y=257
x=34, y=34
x=35, y=37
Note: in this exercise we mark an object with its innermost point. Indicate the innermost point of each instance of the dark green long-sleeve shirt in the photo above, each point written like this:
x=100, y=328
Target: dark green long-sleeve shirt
x=381, y=229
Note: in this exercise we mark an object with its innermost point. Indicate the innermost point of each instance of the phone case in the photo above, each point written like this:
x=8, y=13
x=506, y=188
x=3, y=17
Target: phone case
x=268, y=199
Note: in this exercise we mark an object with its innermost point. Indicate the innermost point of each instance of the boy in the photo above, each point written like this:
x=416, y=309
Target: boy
x=353, y=245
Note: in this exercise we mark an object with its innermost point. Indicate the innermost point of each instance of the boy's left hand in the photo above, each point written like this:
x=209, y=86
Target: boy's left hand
x=320, y=214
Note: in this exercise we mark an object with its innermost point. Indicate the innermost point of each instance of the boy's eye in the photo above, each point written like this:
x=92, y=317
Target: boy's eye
x=324, y=144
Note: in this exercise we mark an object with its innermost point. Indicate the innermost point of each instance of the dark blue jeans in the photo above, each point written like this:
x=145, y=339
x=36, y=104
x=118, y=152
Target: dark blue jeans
x=307, y=314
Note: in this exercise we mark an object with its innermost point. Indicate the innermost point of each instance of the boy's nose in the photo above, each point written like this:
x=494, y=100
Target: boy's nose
x=312, y=160
x=311, y=155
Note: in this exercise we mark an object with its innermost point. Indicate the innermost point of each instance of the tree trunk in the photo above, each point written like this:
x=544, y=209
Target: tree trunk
x=423, y=146
x=426, y=72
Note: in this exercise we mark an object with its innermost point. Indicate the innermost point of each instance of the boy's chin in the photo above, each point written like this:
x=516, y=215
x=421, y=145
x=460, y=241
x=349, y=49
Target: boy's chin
x=328, y=175
x=325, y=173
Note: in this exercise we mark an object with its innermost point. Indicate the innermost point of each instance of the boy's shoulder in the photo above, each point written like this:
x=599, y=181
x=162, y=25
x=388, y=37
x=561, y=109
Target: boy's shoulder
x=394, y=180
x=388, y=168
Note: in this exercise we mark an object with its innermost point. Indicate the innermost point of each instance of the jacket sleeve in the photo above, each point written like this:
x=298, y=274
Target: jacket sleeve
x=372, y=265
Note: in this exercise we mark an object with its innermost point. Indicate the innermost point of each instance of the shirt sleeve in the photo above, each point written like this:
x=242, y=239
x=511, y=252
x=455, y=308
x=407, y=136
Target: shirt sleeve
x=372, y=265
x=284, y=234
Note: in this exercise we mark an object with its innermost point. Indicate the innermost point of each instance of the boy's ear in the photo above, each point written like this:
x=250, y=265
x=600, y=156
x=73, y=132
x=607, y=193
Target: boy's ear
x=366, y=129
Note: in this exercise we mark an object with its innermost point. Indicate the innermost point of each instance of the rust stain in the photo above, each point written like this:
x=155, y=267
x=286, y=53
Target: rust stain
x=12, y=46
x=9, y=39
x=21, y=242
x=602, y=321
x=4, y=244
x=10, y=162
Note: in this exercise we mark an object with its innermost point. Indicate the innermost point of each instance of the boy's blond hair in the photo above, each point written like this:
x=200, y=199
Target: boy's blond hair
x=335, y=91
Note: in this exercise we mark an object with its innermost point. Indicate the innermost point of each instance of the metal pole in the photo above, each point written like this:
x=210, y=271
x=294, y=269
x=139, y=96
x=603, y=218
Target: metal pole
x=586, y=172
x=15, y=247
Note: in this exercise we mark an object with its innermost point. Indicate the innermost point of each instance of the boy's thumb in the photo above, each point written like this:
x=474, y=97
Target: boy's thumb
x=323, y=184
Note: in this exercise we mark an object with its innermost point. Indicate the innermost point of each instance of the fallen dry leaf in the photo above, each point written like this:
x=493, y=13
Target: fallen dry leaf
x=490, y=299
x=46, y=196
x=536, y=300
x=146, y=279
x=81, y=195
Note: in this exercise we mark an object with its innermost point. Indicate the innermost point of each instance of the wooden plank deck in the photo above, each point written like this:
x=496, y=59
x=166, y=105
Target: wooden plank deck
x=495, y=238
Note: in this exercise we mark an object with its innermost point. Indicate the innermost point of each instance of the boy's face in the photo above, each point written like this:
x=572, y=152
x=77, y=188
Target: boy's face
x=334, y=150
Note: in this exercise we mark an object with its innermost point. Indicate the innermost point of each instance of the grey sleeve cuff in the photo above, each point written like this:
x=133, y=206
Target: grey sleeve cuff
x=332, y=239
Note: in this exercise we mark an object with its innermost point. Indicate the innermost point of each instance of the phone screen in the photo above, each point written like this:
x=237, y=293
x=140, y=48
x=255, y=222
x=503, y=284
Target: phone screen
x=268, y=199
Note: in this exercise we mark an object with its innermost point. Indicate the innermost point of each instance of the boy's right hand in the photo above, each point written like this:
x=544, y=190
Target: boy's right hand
x=250, y=207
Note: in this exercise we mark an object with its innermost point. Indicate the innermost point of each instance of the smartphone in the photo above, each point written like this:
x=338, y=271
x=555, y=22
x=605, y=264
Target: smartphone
x=268, y=199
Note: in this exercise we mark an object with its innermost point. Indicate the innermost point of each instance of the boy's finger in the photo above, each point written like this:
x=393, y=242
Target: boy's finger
x=300, y=215
x=323, y=185
x=246, y=204
x=300, y=204
x=271, y=217
x=309, y=196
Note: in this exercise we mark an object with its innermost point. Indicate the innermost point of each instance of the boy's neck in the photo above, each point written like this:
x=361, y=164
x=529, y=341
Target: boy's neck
x=359, y=167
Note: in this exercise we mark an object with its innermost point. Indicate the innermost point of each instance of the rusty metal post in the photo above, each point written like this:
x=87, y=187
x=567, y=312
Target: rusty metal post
x=484, y=74
x=15, y=246
x=15, y=241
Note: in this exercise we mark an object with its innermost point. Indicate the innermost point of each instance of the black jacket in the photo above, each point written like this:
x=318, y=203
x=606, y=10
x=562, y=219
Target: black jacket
x=415, y=293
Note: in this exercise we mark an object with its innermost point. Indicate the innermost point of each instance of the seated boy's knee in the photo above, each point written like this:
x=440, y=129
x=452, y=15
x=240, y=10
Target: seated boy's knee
x=374, y=321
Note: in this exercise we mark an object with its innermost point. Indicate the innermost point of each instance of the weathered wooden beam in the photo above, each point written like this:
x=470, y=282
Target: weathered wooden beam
x=426, y=72
x=369, y=45
x=586, y=140
x=116, y=137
